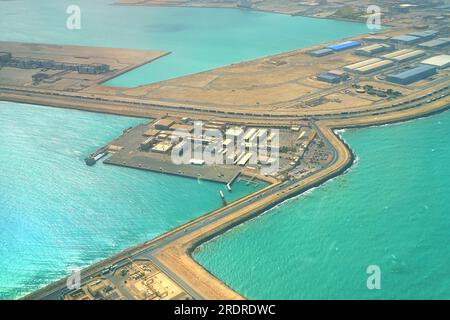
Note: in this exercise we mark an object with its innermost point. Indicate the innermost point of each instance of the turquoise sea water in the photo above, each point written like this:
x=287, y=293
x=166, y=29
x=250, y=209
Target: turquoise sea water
x=199, y=38
x=391, y=209
x=56, y=212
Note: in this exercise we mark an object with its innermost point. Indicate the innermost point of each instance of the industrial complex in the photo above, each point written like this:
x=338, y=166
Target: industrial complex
x=66, y=68
x=397, y=61
x=395, y=66
x=218, y=152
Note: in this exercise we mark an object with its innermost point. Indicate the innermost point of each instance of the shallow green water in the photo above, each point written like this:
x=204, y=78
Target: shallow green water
x=391, y=209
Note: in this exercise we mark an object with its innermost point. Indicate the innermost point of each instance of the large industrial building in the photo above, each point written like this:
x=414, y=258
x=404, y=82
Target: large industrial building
x=163, y=124
x=377, y=66
x=333, y=76
x=440, y=62
x=30, y=63
x=5, y=56
x=344, y=45
x=404, y=55
x=406, y=39
x=436, y=44
x=369, y=66
x=376, y=38
x=339, y=73
x=425, y=35
x=374, y=49
x=360, y=64
x=321, y=52
x=418, y=73
x=330, y=78
x=396, y=53
x=409, y=56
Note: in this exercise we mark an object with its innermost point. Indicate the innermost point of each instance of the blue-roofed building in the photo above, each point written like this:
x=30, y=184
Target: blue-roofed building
x=406, y=77
x=406, y=39
x=344, y=45
x=321, y=52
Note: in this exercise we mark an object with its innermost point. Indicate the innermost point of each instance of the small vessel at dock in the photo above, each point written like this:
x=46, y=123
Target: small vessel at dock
x=96, y=156
x=222, y=196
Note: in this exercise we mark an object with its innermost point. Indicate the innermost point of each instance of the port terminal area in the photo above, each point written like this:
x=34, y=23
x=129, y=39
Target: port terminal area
x=146, y=270
x=305, y=94
x=260, y=153
x=139, y=272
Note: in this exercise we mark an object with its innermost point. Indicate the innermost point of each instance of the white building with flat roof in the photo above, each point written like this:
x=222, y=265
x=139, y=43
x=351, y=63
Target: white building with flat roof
x=441, y=62
x=249, y=134
x=236, y=132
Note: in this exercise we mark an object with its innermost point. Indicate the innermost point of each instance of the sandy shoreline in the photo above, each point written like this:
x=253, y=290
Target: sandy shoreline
x=282, y=9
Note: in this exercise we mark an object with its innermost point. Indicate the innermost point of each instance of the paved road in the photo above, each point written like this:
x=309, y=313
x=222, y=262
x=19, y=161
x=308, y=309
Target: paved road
x=149, y=252
x=147, y=108
x=152, y=247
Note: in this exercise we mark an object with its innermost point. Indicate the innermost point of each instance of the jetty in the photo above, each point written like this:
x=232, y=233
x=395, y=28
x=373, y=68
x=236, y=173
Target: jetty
x=96, y=156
